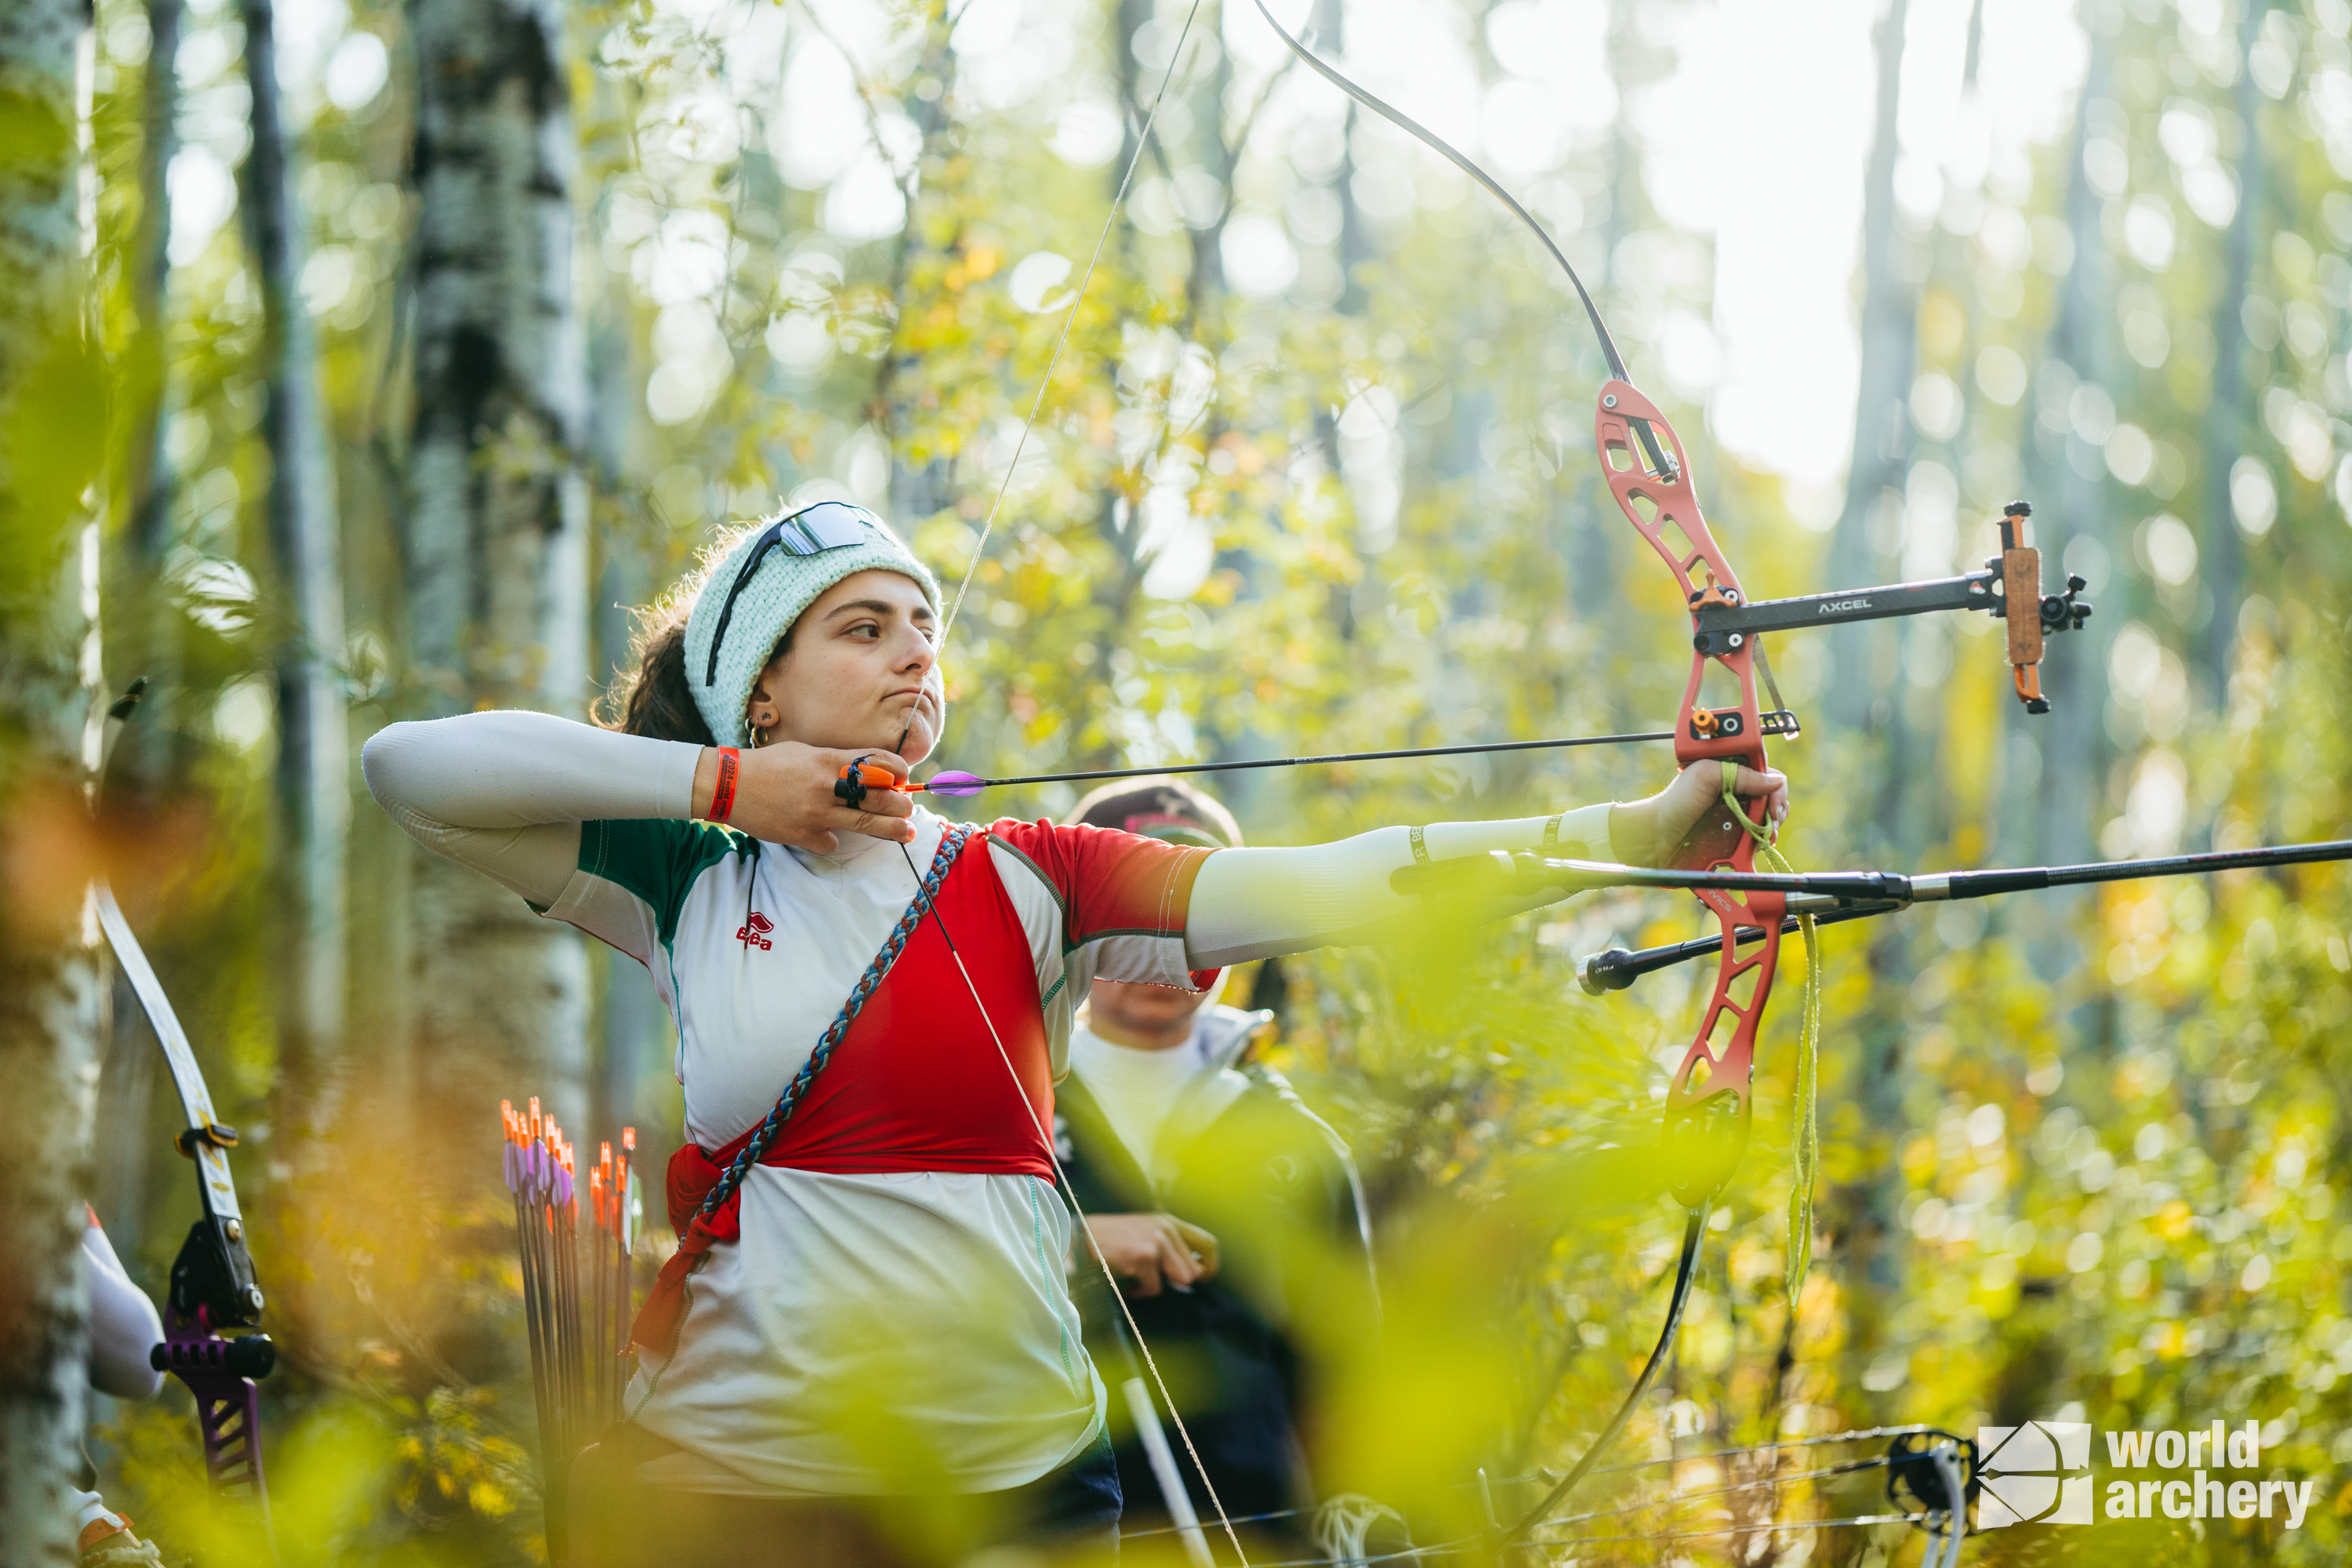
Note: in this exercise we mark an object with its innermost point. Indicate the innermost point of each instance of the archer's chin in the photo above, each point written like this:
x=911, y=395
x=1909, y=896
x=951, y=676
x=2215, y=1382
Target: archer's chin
x=922, y=737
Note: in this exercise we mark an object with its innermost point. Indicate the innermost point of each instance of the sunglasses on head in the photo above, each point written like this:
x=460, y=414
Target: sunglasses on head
x=812, y=531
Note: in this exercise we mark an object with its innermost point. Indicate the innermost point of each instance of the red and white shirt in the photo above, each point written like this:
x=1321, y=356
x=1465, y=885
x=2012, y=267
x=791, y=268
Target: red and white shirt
x=897, y=1307
x=894, y=1312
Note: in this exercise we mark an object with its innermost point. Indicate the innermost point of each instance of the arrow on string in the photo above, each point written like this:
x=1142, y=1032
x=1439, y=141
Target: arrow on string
x=954, y=782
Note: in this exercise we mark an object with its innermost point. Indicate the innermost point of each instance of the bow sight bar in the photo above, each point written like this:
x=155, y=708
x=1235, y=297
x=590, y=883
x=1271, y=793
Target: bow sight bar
x=1725, y=622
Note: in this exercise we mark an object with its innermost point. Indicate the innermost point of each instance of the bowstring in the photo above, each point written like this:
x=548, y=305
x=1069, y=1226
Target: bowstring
x=955, y=608
x=1069, y=1194
x=1069, y=319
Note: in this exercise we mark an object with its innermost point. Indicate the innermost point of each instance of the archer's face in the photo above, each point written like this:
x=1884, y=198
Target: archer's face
x=861, y=668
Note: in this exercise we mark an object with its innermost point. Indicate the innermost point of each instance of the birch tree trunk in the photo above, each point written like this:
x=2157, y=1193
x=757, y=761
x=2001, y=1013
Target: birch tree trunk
x=1330, y=24
x=2069, y=489
x=150, y=492
x=1866, y=667
x=2221, y=550
x=314, y=745
x=1205, y=282
x=921, y=481
x=1597, y=551
x=52, y=417
x=143, y=760
x=1882, y=416
x=495, y=561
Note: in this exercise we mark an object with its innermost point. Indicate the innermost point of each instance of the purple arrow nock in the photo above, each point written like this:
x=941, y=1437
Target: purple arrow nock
x=955, y=782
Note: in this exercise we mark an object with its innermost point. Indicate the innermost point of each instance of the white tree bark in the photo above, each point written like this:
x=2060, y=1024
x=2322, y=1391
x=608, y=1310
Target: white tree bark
x=50, y=408
x=150, y=492
x=1882, y=415
x=497, y=537
x=2071, y=500
x=143, y=760
x=314, y=744
x=2227, y=422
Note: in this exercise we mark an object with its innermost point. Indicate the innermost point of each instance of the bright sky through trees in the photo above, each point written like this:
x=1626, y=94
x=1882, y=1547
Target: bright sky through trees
x=1758, y=137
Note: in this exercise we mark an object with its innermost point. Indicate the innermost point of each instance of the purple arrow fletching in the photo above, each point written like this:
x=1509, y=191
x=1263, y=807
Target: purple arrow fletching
x=514, y=1184
x=954, y=783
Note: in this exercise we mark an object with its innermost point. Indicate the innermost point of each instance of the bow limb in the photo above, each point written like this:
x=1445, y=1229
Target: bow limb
x=1708, y=1102
x=213, y=1284
x=1446, y=150
x=1651, y=482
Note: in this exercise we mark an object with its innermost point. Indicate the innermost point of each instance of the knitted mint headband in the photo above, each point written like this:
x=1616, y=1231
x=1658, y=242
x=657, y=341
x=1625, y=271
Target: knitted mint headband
x=752, y=597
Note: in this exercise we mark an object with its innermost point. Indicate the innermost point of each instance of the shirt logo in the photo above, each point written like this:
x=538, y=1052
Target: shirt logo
x=754, y=932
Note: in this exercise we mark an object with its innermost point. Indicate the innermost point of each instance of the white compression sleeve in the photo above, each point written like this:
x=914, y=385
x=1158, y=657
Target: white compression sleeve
x=1257, y=903
x=506, y=792
x=124, y=1325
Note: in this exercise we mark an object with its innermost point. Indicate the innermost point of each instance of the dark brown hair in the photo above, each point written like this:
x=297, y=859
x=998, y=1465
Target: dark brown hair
x=658, y=700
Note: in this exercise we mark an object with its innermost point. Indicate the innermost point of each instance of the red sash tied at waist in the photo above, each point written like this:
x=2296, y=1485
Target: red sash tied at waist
x=919, y=1083
x=692, y=1174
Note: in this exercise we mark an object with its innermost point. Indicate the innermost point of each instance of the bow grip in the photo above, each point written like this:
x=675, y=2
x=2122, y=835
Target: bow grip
x=1712, y=840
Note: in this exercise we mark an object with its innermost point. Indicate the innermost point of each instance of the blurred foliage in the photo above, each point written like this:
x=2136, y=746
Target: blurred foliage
x=2083, y=1157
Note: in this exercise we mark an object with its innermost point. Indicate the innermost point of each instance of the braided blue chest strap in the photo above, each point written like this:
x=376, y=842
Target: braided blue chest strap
x=764, y=1135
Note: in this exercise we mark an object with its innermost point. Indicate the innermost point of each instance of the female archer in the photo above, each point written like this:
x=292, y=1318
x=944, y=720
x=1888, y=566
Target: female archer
x=871, y=1301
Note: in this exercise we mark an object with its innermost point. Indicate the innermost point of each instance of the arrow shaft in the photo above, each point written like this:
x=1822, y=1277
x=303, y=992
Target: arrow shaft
x=1104, y=773
x=1529, y=873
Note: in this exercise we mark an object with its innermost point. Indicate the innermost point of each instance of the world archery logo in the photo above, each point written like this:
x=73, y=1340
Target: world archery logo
x=754, y=932
x=2039, y=1473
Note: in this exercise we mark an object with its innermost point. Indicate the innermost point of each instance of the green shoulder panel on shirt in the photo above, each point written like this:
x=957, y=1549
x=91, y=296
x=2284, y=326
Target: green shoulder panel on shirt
x=656, y=859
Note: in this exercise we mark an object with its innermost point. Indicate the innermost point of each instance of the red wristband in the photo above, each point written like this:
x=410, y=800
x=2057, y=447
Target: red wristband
x=723, y=797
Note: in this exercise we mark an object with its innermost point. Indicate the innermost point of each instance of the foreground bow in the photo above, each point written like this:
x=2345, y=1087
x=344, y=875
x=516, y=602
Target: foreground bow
x=213, y=1284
